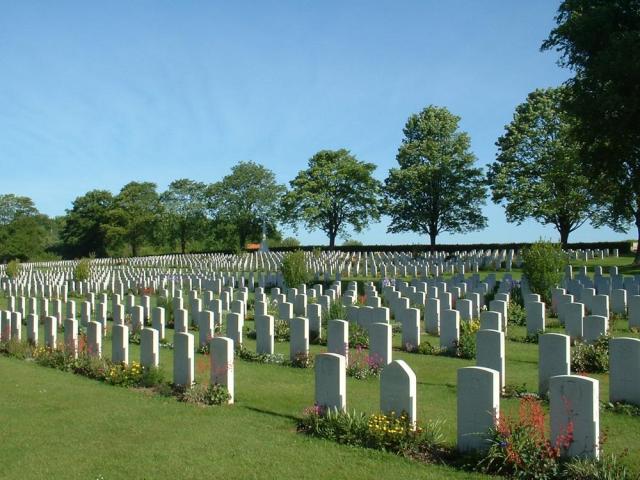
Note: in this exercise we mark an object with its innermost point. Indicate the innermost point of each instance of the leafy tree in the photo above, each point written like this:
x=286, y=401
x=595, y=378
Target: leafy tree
x=294, y=269
x=135, y=215
x=286, y=242
x=27, y=238
x=543, y=266
x=82, y=270
x=13, y=269
x=85, y=228
x=336, y=191
x=244, y=199
x=13, y=206
x=598, y=40
x=184, y=206
x=538, y=172
x=437, y=188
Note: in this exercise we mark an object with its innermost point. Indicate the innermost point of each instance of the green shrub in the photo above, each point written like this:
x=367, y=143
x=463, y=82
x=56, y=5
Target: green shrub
x=516, y=315
x=301, y=360
x=294, y=269
x=425, y=348
x=466, y=345
x=608, y=467
x=289, y=242
x=16, y=348
x=337, y=311
x=519, y=446
x=213, y=394
x=362, y=365
x=358, y=337
x=13, y=269
x=591, y=358
x=281, y=331
x=250, y=356
x=125, y=375
x=623, y=408
x=543, y=266
x=388, y=432
x=82, y=270
x=352, y=243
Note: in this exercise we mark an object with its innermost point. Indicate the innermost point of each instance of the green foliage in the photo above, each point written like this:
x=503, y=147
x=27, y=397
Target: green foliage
x=13, y=207
x=281, y=331
x=387, y=432
x=124, y=375
x=543, y=266
x=516, y=314
x=352, y=243
x=213, y=394
x=358, y=337
x=437, y=188
x=288, y=242
x=519, y=446
x=84, y=230
x=591, y=358
x=244, y=199
x=623, y=408
x=184, y=207
x=337, y=311
x=608, y=467
x=135, y=216
x=335, y=192
x=29, y=237
x=301, y=360
x=598, y=40
x=361, y=365
x=82, y=270
x=538, y=170
x=250, y=356
x=294, y=269
x=466, y=345
x=13, y=269
x=426, y=348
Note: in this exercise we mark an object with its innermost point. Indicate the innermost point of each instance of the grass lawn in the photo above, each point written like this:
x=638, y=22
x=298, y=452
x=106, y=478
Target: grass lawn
x=59, y=425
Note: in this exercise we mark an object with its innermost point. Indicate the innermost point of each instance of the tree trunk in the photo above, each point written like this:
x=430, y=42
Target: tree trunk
x=183, y=245
x=636, y=260
x=134, y=249
x=332, y=239
x=432, y=239
x=564, y=235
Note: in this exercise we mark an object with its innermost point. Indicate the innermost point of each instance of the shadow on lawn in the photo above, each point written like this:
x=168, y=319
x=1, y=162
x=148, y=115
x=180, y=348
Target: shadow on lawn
x=274, y=414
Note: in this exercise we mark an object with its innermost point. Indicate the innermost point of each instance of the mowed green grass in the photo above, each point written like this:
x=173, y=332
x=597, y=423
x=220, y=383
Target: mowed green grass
x=59, y=425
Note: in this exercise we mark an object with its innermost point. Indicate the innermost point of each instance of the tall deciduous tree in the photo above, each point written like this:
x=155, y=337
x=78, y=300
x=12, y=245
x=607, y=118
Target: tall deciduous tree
x=436, y=188
x=335, y=192
x=538, y=173
x=245, y=199
x=184, y=207
x=84, y=231
x=135, y=215
x=13, y=206
x=600, y=41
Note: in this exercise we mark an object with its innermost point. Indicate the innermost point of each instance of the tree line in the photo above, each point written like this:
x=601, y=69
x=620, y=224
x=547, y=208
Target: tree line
x=570, y=155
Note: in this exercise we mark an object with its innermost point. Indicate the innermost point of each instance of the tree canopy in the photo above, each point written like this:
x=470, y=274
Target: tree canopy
x=599, y=40
x=335, y=192
x=184, y=211
x=538, y=170
x=84, y=232
x=135, y=215
x=13, y=206
x=436, y=188
x=244, y=199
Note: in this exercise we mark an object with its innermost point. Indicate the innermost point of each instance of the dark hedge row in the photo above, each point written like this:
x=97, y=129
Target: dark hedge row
x=623, y=247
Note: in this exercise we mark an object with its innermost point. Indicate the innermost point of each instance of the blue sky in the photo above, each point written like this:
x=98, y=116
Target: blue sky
x=94, y=94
